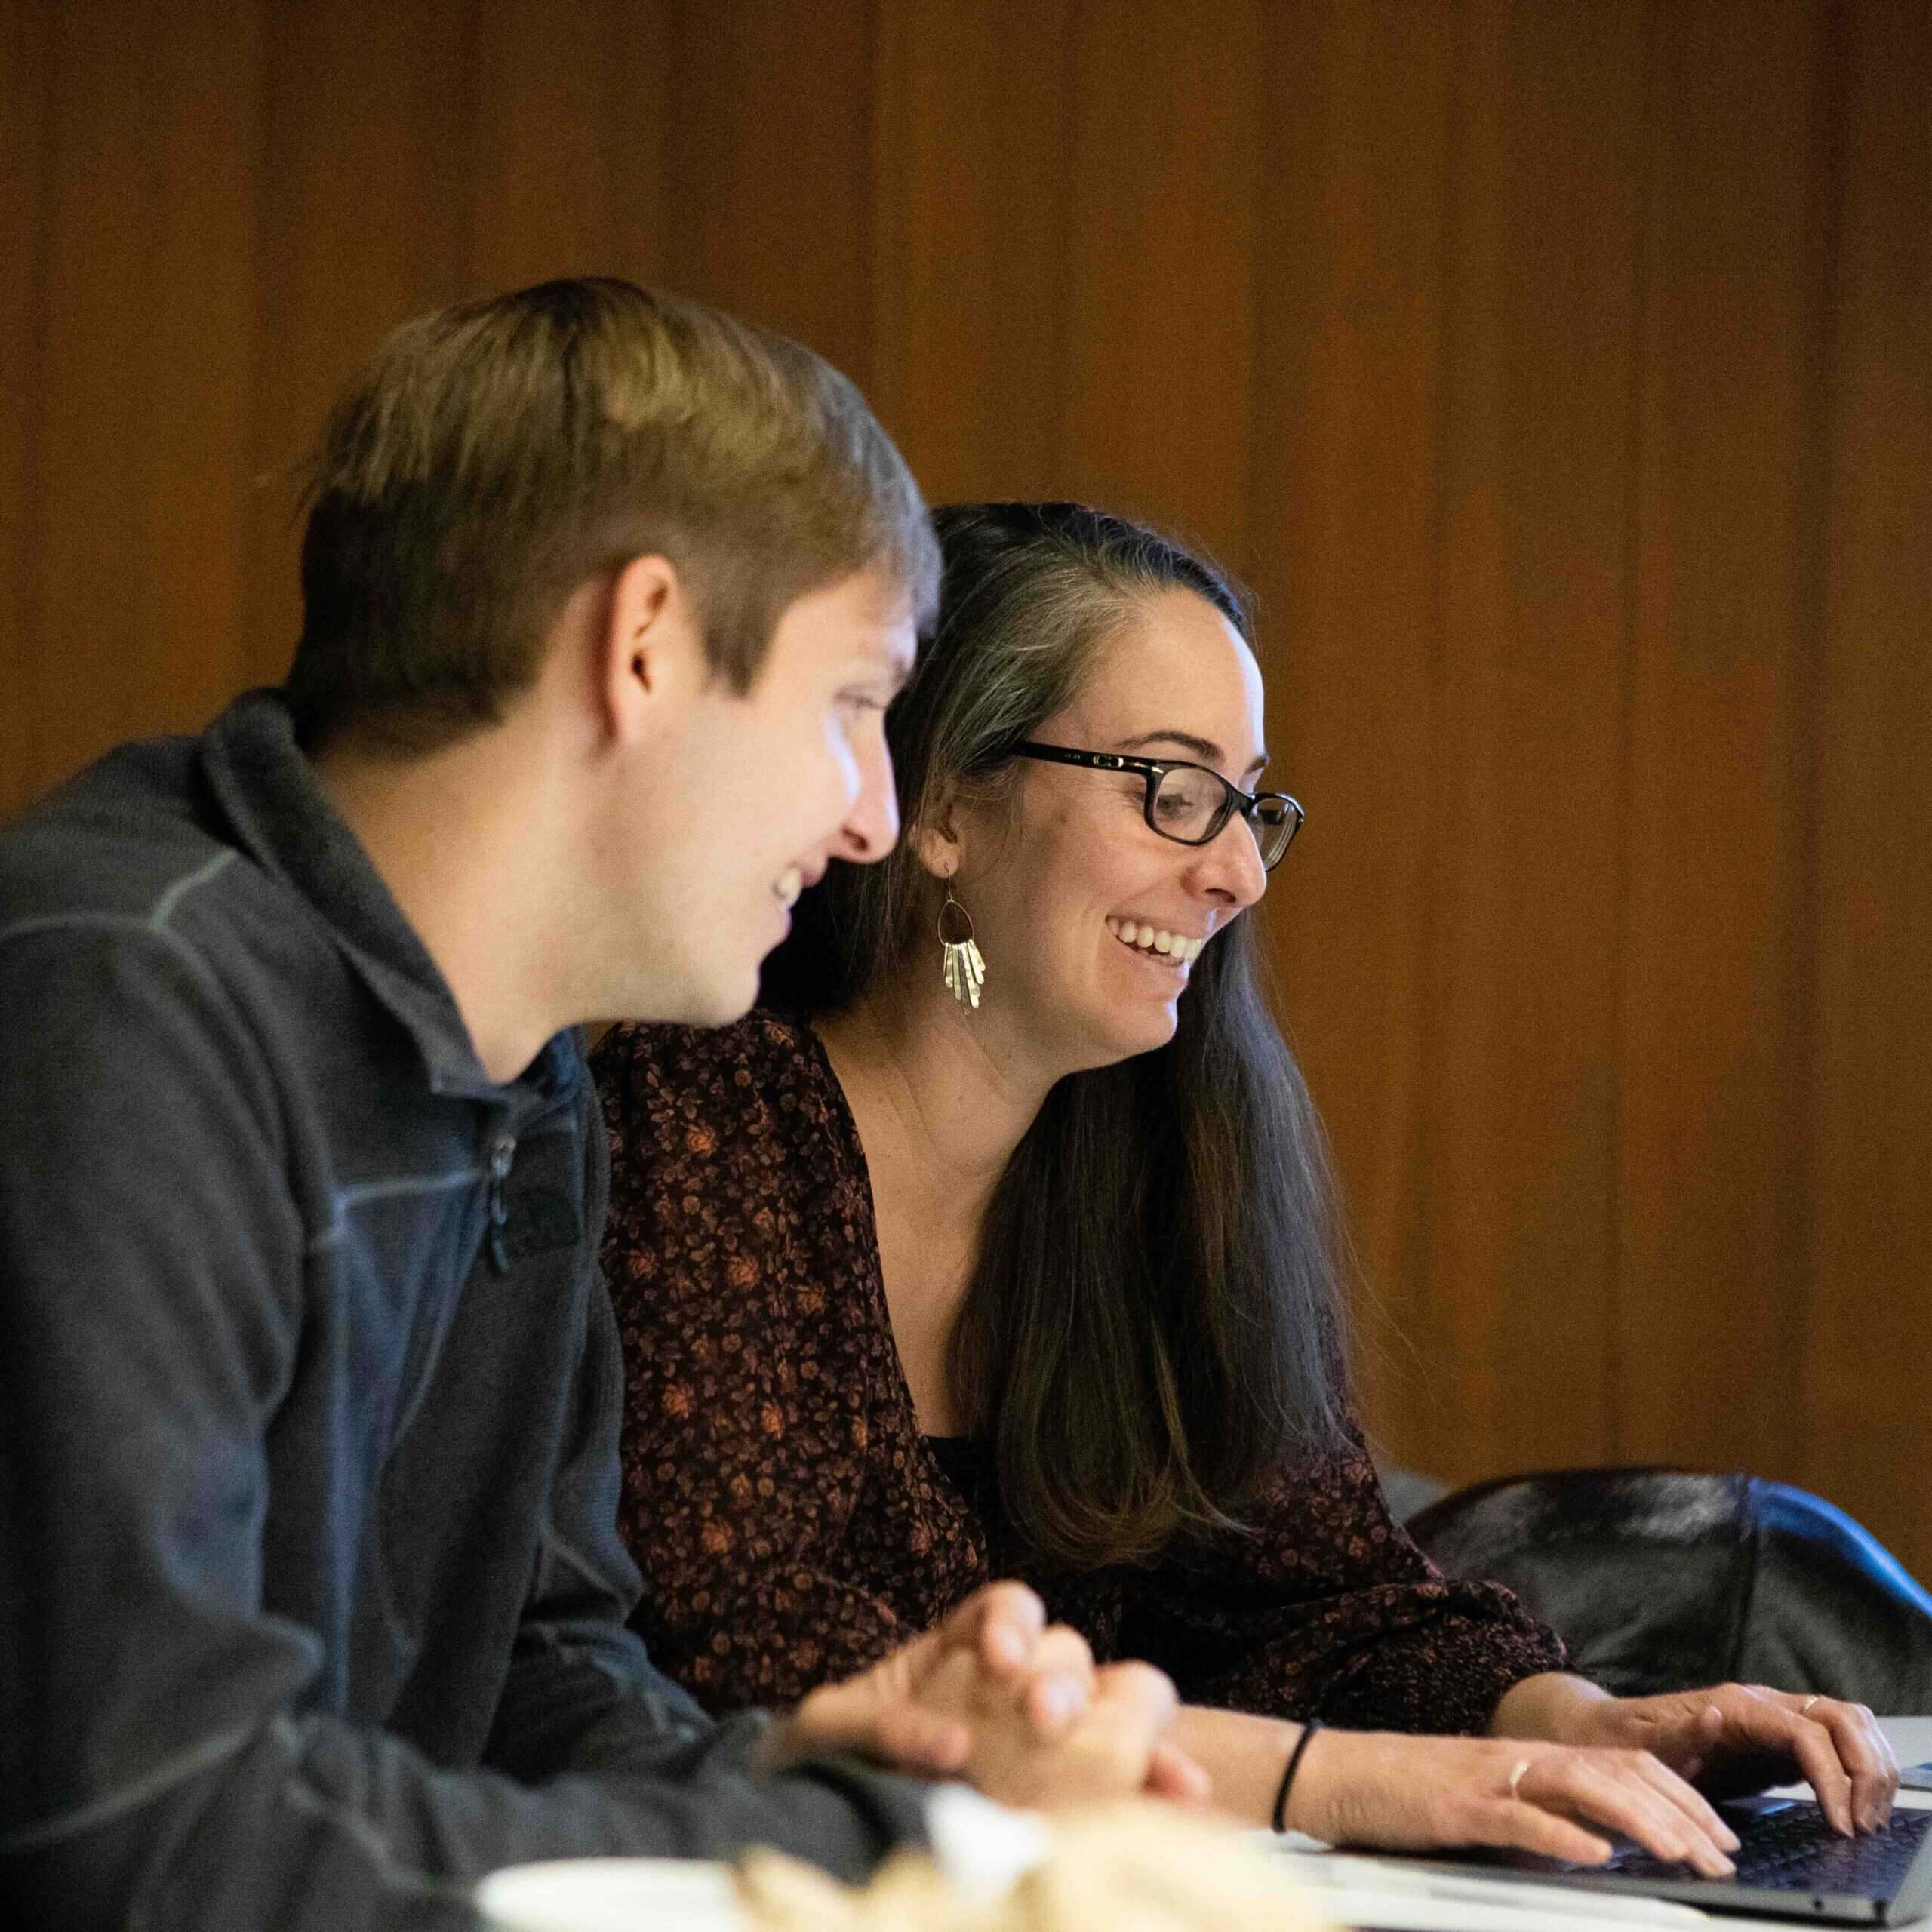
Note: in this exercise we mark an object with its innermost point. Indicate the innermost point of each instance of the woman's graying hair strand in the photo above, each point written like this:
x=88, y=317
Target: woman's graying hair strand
x=1153, y=1327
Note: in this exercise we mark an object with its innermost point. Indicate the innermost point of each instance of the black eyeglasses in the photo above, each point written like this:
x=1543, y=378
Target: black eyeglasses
x=1188, y=803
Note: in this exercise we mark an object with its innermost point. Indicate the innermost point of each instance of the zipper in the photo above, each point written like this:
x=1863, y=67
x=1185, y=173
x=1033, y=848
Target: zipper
x=502, y=1154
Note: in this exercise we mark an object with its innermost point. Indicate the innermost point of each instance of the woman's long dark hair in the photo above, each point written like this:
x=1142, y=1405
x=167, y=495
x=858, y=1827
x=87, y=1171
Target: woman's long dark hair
x=1153, y=1326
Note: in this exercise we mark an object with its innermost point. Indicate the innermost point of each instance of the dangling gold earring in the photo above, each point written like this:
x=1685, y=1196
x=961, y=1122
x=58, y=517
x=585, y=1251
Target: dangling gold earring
x=960, y=960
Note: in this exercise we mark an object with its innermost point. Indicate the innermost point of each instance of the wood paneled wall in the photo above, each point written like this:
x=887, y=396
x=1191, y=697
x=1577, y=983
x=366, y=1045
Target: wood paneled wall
x=1559, y=372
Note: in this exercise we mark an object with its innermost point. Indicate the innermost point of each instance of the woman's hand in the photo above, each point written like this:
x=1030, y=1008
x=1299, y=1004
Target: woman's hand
x=1733, y=1737
x=1387, y=1791
x=1384, y=1791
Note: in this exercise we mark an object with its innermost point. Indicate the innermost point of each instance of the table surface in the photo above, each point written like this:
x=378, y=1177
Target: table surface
x=627, y=1893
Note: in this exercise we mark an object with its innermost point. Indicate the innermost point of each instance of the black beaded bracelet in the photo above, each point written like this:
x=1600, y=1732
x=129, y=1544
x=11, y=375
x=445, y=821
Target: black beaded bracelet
x=1308, y=1730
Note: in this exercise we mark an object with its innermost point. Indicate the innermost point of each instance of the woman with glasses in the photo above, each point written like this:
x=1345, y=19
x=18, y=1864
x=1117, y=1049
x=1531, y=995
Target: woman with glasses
x=999, y=1241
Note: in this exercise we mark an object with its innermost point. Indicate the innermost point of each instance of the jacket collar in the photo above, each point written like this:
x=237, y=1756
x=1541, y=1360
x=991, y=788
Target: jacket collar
x=283, y=819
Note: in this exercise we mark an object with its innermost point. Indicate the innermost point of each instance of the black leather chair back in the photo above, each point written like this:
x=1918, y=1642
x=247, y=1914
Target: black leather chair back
x=1663, y=1580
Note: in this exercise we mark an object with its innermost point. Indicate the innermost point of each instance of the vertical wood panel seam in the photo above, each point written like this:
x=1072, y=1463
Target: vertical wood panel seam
x=867, y=299
x=1253, y=495
x=1063, y=321
x=885, y=297
x=1804, y=761
x=471, y=111
x=33, y=534
x=244, y=486
x=1431, y=1055
x=1257, y=189
x=1649, y=142
x=256, y=594
x=1644, y=284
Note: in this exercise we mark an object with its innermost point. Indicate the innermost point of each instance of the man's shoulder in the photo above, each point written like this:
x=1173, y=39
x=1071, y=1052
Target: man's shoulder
x=109, y=841
x=133, y=853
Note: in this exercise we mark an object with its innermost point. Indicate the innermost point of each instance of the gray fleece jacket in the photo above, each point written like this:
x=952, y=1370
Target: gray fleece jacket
x=312, y=1606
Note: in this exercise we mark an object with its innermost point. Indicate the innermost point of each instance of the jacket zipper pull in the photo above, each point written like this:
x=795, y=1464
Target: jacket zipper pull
x=503, y=1152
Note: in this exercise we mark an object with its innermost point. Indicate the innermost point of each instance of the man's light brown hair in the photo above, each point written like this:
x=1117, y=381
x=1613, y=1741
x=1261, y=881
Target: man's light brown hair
x=498, y=455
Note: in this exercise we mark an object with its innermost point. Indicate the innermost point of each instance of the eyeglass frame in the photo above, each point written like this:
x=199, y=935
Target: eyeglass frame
x=1151, y=771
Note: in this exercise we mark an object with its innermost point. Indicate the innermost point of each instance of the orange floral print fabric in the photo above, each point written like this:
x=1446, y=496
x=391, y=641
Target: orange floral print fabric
x=792, y=1524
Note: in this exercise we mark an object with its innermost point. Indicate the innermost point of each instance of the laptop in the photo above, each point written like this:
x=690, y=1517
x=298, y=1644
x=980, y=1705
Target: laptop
x=1791, y=1864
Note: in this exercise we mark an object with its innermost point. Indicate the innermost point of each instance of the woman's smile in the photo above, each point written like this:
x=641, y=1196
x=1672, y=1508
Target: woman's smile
x=1156, y=942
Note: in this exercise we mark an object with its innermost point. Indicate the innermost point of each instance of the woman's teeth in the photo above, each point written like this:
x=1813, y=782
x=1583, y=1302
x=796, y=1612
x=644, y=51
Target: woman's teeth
x=1155, y=939
x=791, y=883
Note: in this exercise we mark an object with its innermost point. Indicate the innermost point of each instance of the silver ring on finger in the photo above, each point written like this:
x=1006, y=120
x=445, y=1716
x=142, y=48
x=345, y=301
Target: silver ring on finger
x=1804, y=1707
x=1516, y=1771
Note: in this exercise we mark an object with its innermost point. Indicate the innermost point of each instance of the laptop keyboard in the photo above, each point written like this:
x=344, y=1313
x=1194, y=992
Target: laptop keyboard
x=1793, y=1848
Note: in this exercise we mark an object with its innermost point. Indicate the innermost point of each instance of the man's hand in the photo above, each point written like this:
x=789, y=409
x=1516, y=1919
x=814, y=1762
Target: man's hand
x=1112, y=1744
x=882, y=1712
x=1733, y=1737
x=994, y=1696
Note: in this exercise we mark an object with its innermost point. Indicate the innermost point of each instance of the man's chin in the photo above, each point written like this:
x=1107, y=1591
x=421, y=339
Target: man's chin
x=721, y=1001
x=727, y=1012
x=696, y=1001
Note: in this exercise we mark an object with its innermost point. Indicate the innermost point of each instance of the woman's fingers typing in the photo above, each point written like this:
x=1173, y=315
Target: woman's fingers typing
x=1816, y=1751
x=1632, y=1794
x=1866, y=1750
x=1836, y=1747
x=1514, y=1825
x=1687, y=1797
x=1845, y=1735
x=1564, y=1801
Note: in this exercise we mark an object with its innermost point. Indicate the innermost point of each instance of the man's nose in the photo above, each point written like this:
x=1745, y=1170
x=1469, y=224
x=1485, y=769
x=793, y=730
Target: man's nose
x=871, y=828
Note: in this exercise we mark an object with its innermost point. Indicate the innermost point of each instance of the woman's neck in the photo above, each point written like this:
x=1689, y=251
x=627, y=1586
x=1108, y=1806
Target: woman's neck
x=946, y=1107
x=939, y=1110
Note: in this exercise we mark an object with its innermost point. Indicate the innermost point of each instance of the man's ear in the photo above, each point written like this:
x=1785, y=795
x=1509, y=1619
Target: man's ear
x=650, y=645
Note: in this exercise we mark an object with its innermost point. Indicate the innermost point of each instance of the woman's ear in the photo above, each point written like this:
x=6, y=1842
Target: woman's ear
x=936, y=845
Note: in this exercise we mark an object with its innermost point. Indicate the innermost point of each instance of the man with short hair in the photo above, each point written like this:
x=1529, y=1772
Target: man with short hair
x=312, y=1608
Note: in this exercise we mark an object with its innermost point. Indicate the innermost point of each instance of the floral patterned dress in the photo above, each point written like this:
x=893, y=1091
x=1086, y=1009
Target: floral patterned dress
x=792, y=1524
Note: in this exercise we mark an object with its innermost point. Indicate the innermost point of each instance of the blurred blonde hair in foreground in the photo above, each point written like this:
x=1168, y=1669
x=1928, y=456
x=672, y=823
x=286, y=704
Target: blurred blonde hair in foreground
x=1128, y=1868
